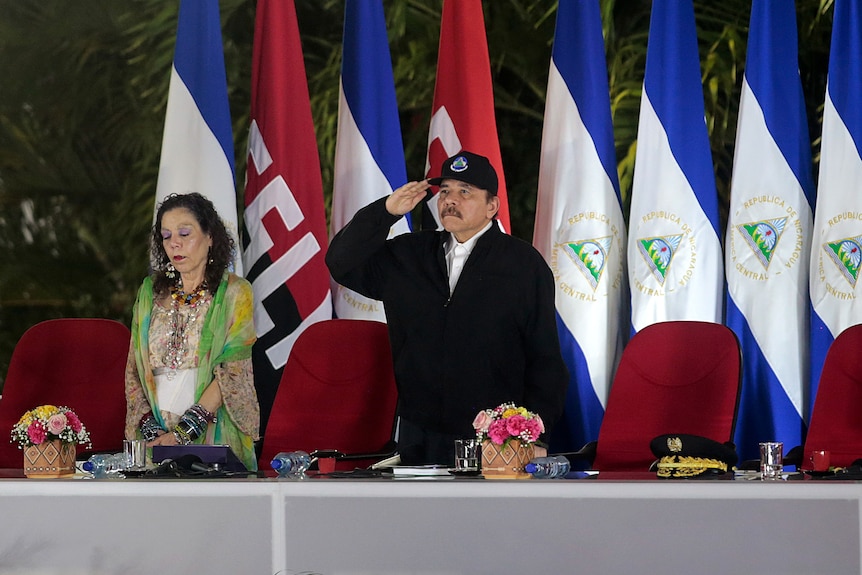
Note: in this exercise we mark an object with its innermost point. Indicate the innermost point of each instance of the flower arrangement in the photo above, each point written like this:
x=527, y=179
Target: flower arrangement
x=47, y=423
x=506, y=422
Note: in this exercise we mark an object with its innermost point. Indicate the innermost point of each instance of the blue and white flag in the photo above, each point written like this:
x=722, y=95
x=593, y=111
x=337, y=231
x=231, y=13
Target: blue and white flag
x=674, y=257
x=369, y=154
x=836, y=247
x=579, y=222
x=768, y=240
x=197, y=143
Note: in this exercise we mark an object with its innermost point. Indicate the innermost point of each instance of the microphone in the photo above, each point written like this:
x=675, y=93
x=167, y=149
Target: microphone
x=201, y=467
x=174, y=467
x=188, y=461
x=163, y=468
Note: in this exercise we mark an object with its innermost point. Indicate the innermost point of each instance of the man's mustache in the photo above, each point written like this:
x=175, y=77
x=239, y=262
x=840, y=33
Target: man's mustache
x=451, y=211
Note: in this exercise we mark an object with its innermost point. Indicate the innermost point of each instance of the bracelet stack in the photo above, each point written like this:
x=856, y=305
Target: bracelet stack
x=150, y=428
x=193, y=424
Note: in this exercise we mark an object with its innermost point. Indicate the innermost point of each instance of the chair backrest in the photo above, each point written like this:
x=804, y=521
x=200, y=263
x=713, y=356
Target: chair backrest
x=836, y=423
x=337, y=392
x=76, y=362
x=673, y=377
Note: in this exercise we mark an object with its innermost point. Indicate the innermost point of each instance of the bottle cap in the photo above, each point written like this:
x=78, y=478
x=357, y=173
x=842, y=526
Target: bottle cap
x=530, y=468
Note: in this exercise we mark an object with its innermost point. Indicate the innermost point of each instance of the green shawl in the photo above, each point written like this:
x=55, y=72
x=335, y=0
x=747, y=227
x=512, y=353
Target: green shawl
x=227, y=335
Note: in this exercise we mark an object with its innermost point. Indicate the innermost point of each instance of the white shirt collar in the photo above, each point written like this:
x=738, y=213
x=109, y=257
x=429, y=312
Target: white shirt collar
x=468, y=245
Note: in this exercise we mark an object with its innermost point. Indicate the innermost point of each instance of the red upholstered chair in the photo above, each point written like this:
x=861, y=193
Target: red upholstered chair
x=337, y=392
x=673, y=377
x=836, y=425
x=78, y=363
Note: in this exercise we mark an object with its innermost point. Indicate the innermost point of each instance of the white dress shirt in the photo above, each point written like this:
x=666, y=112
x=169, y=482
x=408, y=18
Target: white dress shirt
x=457, y=254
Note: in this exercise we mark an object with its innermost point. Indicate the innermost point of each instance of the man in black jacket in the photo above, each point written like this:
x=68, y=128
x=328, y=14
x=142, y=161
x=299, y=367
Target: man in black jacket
x=470, y=309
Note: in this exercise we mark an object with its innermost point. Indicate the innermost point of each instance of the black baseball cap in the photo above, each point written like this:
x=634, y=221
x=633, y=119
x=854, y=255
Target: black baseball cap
x=471, y=168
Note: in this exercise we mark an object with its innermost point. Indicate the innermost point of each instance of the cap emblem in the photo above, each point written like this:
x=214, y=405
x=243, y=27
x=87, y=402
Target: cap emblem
x=674, y=444
x=459, y=164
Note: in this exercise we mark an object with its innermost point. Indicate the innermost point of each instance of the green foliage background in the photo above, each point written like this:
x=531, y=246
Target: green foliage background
x=84, y=87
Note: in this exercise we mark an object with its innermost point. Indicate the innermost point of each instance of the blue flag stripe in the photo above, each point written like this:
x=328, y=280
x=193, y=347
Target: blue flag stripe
x=845, y=67
x=765, y=411
x=579, y=31
x=774, y=79
x=583, y=412
x=369, y=89
x=672, y=61
x=199, y=62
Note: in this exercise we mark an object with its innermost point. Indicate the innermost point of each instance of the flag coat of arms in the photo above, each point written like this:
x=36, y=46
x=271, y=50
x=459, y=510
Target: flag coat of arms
x=197, y=143
x=674, y=258
x=462, y=115
x=285, y=221
x=369, y=153
x=580, y=228
x=836, y=247
x=768, y=237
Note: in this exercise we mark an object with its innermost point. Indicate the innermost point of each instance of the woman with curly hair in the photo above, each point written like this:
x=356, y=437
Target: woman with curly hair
x=189, y=372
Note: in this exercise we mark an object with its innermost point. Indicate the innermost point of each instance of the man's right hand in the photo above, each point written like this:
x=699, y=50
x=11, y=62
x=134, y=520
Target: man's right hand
x=405, y=198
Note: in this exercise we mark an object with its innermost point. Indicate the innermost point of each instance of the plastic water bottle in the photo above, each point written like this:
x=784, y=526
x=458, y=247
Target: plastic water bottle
x=291, y=463
x=552, y=467
x=103, y=465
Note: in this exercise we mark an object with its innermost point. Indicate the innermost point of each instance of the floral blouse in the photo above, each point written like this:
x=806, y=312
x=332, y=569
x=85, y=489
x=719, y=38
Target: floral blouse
x=234, y=378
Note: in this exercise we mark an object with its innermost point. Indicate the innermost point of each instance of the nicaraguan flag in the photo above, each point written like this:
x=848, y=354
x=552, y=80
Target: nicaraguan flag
x=836, y=247
x=197, y=144
x=579, y=222
x=768, y=240
x=674, y=256
x=369, y=153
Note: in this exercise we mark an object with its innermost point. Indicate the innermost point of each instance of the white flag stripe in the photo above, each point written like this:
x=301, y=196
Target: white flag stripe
x=360, y=181
x=764, y=188
x=357, y=171
x=192, y=160
x=589, y=314
x=664, y=204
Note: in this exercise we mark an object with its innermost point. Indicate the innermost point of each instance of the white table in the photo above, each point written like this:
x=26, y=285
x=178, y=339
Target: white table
x=341, y=527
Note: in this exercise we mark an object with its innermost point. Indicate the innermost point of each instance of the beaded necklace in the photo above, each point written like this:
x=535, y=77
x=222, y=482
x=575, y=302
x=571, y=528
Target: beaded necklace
x=177, y=337
x=192, y=298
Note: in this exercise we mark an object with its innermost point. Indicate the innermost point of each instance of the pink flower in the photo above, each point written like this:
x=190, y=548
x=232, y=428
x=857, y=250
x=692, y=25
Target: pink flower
x=540, y=423
x=482, y=421
x=36, y=432
x=534, y=427
x=515, y=425
x=497, y=432
x=74, y=422
x=56, y=423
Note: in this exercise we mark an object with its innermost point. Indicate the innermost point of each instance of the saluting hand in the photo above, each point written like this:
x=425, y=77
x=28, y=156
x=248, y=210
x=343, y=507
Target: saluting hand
x=405, y=198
